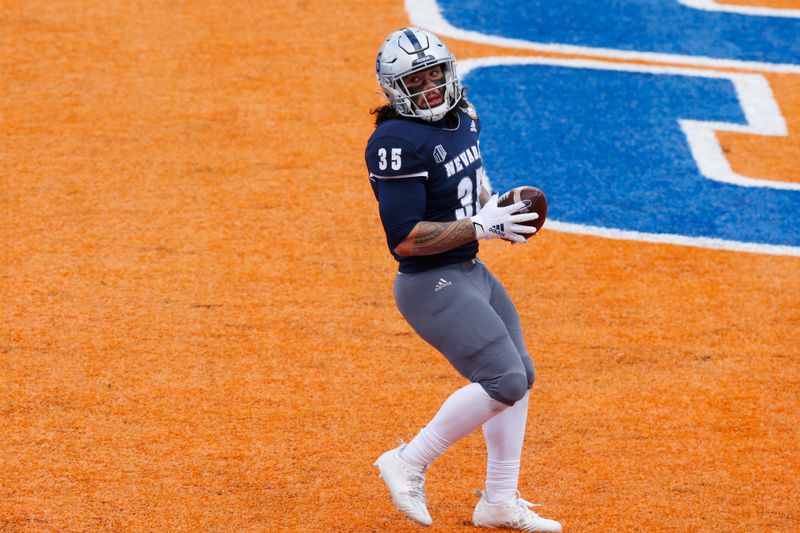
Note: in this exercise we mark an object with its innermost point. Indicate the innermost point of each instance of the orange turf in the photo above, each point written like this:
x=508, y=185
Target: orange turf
x=197, y=330
x=778, y=4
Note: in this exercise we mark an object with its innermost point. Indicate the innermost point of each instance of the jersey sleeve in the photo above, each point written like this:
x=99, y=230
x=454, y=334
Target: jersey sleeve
x=401, y=203
x=390, y=158
x=473, y=114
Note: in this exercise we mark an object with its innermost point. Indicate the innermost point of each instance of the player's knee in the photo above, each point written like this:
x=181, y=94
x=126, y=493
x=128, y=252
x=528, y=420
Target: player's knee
x=509, y=389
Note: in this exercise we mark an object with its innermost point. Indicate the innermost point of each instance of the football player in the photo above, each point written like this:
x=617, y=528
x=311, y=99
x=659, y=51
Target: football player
x=427, y=174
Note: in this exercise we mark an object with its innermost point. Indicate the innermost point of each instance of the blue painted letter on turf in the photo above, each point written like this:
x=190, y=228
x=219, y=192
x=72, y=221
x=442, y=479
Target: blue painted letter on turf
x=607, y=148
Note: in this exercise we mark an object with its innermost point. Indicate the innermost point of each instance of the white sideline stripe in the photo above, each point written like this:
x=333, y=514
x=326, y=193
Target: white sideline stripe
x=427, y=14
x=755, y=96
x=758, y=11
x=668, y=238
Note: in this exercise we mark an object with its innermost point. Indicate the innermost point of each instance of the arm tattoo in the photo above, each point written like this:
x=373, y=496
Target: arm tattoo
x=428, y=238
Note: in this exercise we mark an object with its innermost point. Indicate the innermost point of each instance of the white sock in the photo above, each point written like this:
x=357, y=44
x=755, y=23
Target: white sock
x=504, y=436
x=464, y=411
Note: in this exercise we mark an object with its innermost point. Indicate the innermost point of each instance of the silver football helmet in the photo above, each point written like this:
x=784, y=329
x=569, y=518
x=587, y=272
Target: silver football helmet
x=411, y=50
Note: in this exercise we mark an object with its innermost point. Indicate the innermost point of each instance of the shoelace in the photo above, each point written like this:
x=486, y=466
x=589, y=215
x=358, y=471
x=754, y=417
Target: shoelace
x=526, y=505
x=417, y=490
x=417, y=478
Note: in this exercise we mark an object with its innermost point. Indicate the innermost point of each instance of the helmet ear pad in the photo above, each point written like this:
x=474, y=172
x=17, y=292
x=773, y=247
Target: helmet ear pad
x=397, y=99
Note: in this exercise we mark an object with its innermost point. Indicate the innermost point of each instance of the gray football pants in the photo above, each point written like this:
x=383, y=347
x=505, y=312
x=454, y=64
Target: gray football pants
x=465, y=313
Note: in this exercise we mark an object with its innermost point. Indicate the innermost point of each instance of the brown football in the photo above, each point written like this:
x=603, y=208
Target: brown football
x=538, y=203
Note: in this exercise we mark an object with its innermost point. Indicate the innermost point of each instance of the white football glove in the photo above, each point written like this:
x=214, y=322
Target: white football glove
x=493, y=221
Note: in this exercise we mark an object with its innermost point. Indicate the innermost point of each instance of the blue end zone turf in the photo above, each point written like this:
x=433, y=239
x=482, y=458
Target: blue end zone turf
x=656, y=26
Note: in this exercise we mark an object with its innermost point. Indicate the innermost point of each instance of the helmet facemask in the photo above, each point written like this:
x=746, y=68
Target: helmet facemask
x=433, y=97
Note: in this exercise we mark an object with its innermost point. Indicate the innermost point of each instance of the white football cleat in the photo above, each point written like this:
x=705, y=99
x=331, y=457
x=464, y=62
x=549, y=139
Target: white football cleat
x=511, y=514
x=406, y=483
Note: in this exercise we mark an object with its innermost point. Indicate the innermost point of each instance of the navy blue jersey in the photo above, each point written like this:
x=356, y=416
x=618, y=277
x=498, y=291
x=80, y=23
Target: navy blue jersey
x=426, y=171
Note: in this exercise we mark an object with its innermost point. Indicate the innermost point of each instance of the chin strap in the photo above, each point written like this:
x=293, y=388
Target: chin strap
x=431, y=115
